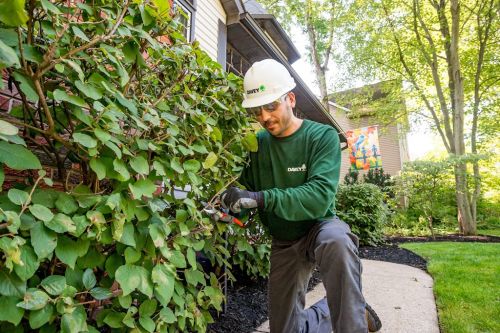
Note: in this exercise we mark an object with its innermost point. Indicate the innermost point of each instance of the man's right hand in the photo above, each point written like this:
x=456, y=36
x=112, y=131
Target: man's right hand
x=235, y=199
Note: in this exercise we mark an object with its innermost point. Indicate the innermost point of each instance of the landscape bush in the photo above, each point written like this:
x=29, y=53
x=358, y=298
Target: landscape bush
x=362, y=207
x=128, y=114
x=427, y=190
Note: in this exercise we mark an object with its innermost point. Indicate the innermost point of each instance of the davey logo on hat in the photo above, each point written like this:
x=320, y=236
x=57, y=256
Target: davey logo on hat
x=256, y=90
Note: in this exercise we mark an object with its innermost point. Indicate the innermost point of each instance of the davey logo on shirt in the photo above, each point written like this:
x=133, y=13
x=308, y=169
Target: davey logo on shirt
x=302, y=168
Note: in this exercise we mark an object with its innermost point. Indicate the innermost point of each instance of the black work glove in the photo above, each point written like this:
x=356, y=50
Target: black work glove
x=235, y=199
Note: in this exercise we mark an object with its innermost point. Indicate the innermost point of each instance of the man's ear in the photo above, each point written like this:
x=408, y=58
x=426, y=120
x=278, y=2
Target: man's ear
x=291, y=98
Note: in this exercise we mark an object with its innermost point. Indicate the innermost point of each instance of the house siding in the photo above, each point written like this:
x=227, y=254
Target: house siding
x=208, y=14
x=392, y=142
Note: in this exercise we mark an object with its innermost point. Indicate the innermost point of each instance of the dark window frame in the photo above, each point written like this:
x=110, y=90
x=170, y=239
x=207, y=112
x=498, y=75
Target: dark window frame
x=190, y=7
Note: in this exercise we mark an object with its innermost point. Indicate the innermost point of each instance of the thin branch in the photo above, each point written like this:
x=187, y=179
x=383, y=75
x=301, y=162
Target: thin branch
x=50, y=63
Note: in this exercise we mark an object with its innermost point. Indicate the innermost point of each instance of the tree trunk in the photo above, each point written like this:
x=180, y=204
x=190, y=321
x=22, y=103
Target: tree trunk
x=319, y=70
x=465, y=219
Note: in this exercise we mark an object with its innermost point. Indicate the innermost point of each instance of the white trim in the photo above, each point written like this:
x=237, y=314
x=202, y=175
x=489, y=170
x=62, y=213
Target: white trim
x=339, y=106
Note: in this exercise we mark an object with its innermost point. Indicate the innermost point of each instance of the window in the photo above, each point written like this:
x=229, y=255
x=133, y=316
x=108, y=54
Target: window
x=186, y=10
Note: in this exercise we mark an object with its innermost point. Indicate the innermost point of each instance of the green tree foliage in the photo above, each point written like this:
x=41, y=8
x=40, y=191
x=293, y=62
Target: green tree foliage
x=427, y=187
x=100, y=91
x=319, y=20
x=447, y=53
x=362, y=207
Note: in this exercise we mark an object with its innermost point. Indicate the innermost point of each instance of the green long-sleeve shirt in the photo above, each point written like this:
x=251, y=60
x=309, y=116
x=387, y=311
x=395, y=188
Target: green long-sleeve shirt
x=298, y=176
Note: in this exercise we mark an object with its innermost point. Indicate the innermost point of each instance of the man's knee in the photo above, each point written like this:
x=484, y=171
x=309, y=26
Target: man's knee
x=335, y=245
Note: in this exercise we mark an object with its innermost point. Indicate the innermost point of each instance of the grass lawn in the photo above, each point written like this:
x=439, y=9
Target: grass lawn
x=490, y=232
x=466, y=284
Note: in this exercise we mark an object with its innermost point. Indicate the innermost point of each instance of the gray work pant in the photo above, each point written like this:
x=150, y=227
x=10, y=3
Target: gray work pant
x=333, y=248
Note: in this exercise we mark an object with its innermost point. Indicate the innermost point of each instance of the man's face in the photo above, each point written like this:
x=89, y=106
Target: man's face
x=278, y=122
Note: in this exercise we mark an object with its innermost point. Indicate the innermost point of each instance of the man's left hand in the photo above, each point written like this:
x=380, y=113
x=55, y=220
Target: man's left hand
x=235, y=199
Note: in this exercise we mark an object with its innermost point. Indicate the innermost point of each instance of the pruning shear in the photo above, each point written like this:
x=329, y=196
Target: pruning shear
x=217, y=213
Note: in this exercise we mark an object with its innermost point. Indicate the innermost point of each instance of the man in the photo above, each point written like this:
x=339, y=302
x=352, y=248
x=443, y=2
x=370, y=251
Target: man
x=292, y=180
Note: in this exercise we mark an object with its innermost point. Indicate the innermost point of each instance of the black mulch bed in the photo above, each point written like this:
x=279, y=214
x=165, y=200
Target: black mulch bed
x=247, y=299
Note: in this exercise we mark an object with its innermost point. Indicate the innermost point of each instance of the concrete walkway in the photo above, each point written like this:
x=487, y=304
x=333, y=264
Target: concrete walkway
x=401, y=295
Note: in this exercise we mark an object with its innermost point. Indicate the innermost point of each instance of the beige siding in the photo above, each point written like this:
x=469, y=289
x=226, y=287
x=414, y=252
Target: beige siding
x=390, y=139
x=208, y=14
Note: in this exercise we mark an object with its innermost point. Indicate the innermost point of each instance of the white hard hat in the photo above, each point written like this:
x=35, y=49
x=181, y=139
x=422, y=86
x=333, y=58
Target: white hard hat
x=265, y=82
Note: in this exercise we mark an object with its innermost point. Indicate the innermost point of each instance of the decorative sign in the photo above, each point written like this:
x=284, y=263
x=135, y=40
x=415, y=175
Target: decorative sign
x=364, y=149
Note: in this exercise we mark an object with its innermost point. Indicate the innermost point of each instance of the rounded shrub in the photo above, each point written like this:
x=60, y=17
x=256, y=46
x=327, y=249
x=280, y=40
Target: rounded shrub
x=362, y=207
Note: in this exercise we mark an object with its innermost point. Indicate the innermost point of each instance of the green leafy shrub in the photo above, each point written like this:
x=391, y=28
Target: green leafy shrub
x=351, y=177
x=251, y=249
x=131, y=120
x=362, y=207
x=374, y=176
x=428, y=189
x=383, y=180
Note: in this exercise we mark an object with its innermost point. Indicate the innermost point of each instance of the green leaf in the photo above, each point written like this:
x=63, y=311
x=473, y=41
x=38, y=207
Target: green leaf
x=32, y=54
x=192, y=165
x=128, y=237
x=41, y=212
x=194, y=277
x=157, y=235
x=102, y=135
x=181, y=215
x=164, y=281
x=199, y=148
x=121, y=168
x=74, y=322
x=27, y=87
x=11, y=285
x=101, y=293
x=44, y=241
x=61, y=223
x=9, y=36
x=12, y=12
x=88, y=90
x=143, y=187
x=9, y=311
x=54, y=284
x=49, y=7
x=18, y=197
x=8, y=57
x=85, y=140
x=13, y=221
x=114, y=319
x=30, y=263
x=176, y=258
x=78, y=32
x=167, y=315
x=62, y=96
x=34, y=299
x=98, y=167
x=191, y=257
x=125, y=301
x=132, y=255
x=18, y=157
x=68, y=251
x=148, y=308
x=140, y=165
x=147, y=323
x=7, y=128
x=250, y=142
x=132, y=277
x=114, y=148
x=38, y=318
x=89, y=279
x=76, y=67
x=66, y=204
x=210, y=160
x=176, y=165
